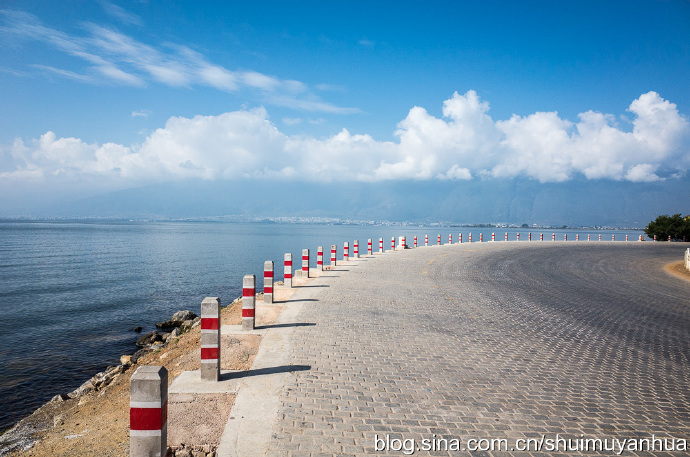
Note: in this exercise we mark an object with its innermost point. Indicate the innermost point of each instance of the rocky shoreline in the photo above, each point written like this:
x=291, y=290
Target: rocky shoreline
x=22, y=436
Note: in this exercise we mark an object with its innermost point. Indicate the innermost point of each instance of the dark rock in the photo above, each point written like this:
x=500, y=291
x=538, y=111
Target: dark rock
x=177, y=319
x=139, y=354
x=149, y=339
x=138, y=329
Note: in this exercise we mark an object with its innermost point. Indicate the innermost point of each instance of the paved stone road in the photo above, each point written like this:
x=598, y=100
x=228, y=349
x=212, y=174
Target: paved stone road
x=492, y=341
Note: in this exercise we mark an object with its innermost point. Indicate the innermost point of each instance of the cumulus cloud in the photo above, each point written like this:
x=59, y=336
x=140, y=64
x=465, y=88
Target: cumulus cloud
x=466, y=143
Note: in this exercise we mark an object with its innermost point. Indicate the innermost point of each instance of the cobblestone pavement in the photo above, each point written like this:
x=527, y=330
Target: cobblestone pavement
x=493, y=341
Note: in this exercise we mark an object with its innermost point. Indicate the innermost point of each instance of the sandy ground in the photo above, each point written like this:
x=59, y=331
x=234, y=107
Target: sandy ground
x=678, y=269
x=98, y=423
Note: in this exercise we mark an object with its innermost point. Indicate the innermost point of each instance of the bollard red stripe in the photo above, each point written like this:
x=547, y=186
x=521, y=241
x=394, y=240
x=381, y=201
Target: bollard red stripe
x=288, y=275
x=268, y=273
x=209, y=323
x=209, y=353
x=148, y=418
x=305, y=257
x=248, y=292
x=268, y=290
x=247, y=312
x=288, y=263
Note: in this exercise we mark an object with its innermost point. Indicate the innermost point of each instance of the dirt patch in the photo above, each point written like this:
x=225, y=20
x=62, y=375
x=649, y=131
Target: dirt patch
x=98, y=423
x=678, y=270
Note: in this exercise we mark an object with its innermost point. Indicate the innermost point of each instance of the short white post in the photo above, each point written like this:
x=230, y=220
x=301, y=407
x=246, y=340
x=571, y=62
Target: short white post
x=346, y=251
x=439, y=240
x=450, y=238
x=287, y=270
x=517, y=238
x=319, y=258
x=210, y=339
x=426, y=240
x=577, y=237
x=268, y=281
x=613, y=237
x=469, y=238
x=393, y=244
x=148, y=411
x=356, y=249
x=248, y=301
x=369, y=248
x=541, y=237
x=305, y=263
x=481, y=237
x=381, y=245
x=565, y=237
x=626, y=237
x=459, y=238
x=334, y=254
x=529, y=236
x=506, y=238
x=493, y=237
x=588, y=239
x=600, y=237
x=415, y=241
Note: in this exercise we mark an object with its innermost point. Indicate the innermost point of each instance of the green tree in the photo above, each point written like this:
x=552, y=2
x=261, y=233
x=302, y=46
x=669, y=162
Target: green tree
x=676, y=226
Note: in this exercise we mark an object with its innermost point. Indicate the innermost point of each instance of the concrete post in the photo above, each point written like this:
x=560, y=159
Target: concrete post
x=210, y=339
x=438, y=239
x=403, y=242
x=248, y=301
x=268, y=281
x=305, y=263
x=565, y=237
x=493, y=236
x=600, y=237
x=469, y=237
x=450, y=238
x=287, y=270
x=459, y=238
x=626, y=237
x=426, y=240
x=319, y=258
x=381, y=245
x=577, y=237
x=613, y=237
x=654, y=237
x=669, y=238
x=369, y=247
x=481, y=237
x=415, y=241
x=517, y=237
x=393, y=244
x=356, y=249
x=588, y=237
x=529, y=236
x=148, y=412
x=506, y=239
x=334, y=254
x=346, y=251
x=541, y=237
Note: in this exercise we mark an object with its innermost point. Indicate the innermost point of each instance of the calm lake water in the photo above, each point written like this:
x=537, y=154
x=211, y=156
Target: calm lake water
x=72, y=292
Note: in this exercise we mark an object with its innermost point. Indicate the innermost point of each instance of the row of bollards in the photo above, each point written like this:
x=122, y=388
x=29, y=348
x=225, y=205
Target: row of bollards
x=149, y=384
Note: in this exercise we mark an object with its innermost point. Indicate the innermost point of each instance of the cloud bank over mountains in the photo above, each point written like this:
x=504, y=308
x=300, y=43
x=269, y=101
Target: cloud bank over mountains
x=465, y=144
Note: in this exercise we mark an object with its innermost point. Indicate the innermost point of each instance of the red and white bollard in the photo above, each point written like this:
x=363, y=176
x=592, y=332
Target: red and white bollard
x=393, y=244
x=305, y=263
x=319, y=258
x=577, y=237
x=669, y=238
x=450, y=238
x=268, y=281
x=415, y=241
x=493, y=237
x=517, y=237
x=248, y=301
x=426, y=240
x=481, y=237
x=381, y=245
x=403, y=242
x=438, y=241
x=565, y=237
x=529, y=236
x=469, y=238
x=588, y=237
x=346, y=251
x=287, y=270
x=553, y=237
x=541, y=237
x=369, y=249
x=600, y=237
x=506, y=239
x=148, y=411
x=210, y=339
x=356, y=249
x=334, y=254
x=626, y=237
x=613, y=237
x=460, y=238
x=640, y=237
x=654, y=237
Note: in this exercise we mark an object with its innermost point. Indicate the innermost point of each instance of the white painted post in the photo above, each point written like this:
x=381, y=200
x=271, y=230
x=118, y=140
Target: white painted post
x=210, y=339
x=460, y=238
x=426, y=240
x=469, y=238
x=305, y=263
x=268, y=281
x=319, y=258
x=415, y=241
x=287, y=269
x=450, y=238
x=346, y=251
x=541, y=237
x=493, y=236
x=356, y=249
x=517, y=237
x=148, y=412
x=481, y=237
x=334, y=254
x=506, y=239
x=438, y=242
x=248, y=301
x=369, y=248
x=381, y=245
x=393, y=244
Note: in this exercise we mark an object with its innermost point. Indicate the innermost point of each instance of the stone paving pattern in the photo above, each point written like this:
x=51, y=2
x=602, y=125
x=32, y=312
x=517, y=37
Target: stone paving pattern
x=499, y=340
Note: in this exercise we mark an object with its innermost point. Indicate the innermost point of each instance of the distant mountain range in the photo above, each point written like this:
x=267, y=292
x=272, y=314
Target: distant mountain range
x=573, y=203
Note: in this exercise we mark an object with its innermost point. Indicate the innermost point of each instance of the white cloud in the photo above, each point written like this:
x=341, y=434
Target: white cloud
x=141, y=113
x=466, y=143
x=113, y=57
x=292, y=120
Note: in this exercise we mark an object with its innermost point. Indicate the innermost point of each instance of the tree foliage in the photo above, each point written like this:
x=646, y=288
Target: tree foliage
x=676, y=226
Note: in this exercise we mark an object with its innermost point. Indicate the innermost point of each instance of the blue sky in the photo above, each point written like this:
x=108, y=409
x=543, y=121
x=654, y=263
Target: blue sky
x=101, y=96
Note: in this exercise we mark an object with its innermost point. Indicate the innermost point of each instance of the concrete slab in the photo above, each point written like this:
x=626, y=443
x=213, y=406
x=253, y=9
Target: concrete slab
x=190, y=382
